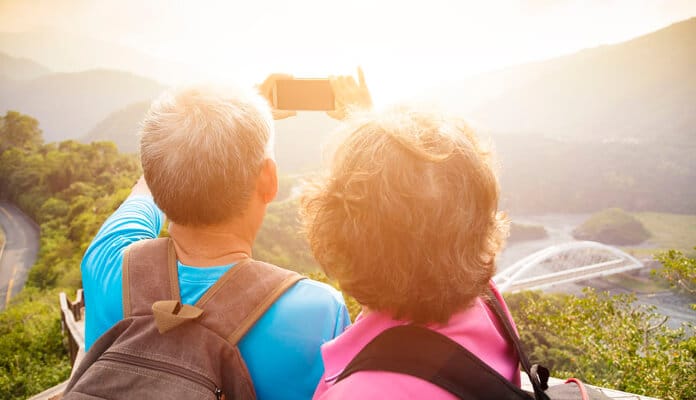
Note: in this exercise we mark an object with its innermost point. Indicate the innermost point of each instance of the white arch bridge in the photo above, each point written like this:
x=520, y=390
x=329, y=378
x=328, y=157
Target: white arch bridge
x=565, y=263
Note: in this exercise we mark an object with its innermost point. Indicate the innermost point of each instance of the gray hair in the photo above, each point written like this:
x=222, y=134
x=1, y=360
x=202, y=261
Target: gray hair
x=202, y=149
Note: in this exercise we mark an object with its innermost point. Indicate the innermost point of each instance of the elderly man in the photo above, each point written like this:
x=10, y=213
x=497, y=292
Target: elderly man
x=207, y=158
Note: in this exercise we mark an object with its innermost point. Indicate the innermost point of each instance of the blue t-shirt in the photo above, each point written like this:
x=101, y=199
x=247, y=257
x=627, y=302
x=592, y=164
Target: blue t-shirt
x=281, y=350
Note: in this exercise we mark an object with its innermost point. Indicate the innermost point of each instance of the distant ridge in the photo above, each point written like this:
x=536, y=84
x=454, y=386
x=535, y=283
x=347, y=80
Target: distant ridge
x=67, y=52
x=20, y=68
x=68, y=105
x=120, y=127
x=642, y=89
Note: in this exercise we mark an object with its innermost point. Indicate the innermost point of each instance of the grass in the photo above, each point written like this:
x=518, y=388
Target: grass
x=668, y=231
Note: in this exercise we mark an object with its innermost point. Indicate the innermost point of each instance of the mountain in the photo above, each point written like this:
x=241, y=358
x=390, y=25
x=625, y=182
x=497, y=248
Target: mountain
x=612, y=126
x=65, y=52
x=68, y=105
x=640, y=90
x=20, y=68
x=120, y=127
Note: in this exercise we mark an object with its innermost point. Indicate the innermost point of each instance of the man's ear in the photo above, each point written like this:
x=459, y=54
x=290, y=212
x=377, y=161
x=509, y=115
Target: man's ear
x=267, y=186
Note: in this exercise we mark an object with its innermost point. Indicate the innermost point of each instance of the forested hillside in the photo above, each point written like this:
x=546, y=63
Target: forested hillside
x=542, y=175
x=69, y=189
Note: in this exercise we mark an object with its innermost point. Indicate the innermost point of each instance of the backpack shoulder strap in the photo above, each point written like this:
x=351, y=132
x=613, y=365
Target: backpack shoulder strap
x=538, y=375
x=149, y=275
x=242, y=295
x=431, y=356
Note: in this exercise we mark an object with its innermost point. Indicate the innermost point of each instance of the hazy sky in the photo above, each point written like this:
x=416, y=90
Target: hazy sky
x=402, y=45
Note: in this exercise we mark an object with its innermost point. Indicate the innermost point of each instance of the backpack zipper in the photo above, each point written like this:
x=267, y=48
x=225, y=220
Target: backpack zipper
x=163, y=367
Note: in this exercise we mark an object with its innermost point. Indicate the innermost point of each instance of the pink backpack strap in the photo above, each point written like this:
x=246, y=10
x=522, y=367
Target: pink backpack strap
x=149, y=275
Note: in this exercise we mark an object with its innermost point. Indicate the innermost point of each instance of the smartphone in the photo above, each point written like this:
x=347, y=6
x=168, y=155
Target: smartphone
x=303, y=95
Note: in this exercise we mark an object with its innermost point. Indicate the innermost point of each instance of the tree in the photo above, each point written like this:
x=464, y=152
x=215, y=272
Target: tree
x=679, y=270
x=19, y=131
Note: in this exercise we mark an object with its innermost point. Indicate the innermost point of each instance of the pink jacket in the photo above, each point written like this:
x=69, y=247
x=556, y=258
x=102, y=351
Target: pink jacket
x=474, y=328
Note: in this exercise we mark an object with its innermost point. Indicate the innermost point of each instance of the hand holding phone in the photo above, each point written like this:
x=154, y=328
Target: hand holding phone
x=303, y=94
x=338, y=96
x=350, y=96
x=266, y=89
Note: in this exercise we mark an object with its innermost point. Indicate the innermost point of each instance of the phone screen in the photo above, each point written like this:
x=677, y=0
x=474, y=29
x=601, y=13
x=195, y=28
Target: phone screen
x=303, y=94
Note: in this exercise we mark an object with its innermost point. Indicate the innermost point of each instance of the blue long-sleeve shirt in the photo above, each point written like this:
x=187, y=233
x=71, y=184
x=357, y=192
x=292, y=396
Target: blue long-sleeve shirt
x=281, y=350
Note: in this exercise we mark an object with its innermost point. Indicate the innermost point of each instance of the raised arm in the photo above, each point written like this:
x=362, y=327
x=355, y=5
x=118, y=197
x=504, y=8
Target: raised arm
x=136, y=219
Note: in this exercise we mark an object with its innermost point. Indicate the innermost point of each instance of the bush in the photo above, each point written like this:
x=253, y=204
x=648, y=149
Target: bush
x=679, y=271
x=612, y=226
x=31, y=343
x=607, y=341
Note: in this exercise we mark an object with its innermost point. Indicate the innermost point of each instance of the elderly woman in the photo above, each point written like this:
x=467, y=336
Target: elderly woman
x=407, y=223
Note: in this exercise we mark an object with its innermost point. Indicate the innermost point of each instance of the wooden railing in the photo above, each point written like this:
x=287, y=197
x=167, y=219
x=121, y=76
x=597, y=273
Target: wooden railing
x=73, y=326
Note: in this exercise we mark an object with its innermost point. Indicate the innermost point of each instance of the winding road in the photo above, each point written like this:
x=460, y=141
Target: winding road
x=19, y=253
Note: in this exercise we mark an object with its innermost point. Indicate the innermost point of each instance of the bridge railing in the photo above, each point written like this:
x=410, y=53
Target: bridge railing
x=520, y=275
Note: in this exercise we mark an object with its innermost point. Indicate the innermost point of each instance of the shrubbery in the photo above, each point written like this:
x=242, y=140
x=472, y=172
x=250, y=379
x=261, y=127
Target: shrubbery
x=32, y=353
x=679, y=271
x=607, y=341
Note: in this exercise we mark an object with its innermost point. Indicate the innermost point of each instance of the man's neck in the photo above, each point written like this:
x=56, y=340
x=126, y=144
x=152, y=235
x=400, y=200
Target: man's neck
x=211, y=245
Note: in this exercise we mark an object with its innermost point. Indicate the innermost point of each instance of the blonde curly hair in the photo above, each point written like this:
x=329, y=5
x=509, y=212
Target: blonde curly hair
x=407, y=219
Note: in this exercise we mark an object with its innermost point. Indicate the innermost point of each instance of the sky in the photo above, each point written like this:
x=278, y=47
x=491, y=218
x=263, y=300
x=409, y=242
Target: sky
x=402, y=45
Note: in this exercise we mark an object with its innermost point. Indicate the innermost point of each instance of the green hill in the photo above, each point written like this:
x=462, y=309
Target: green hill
x=613, y=226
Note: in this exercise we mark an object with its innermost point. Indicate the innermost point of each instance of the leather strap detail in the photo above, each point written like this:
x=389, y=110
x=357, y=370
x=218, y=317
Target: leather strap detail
x=170, y=313
x=242, y=295
x=125, y=284
x=149, y=275
x=173, y=269
x=261, y=308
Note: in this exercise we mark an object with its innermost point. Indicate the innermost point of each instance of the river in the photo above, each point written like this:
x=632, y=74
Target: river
x=559, y=228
